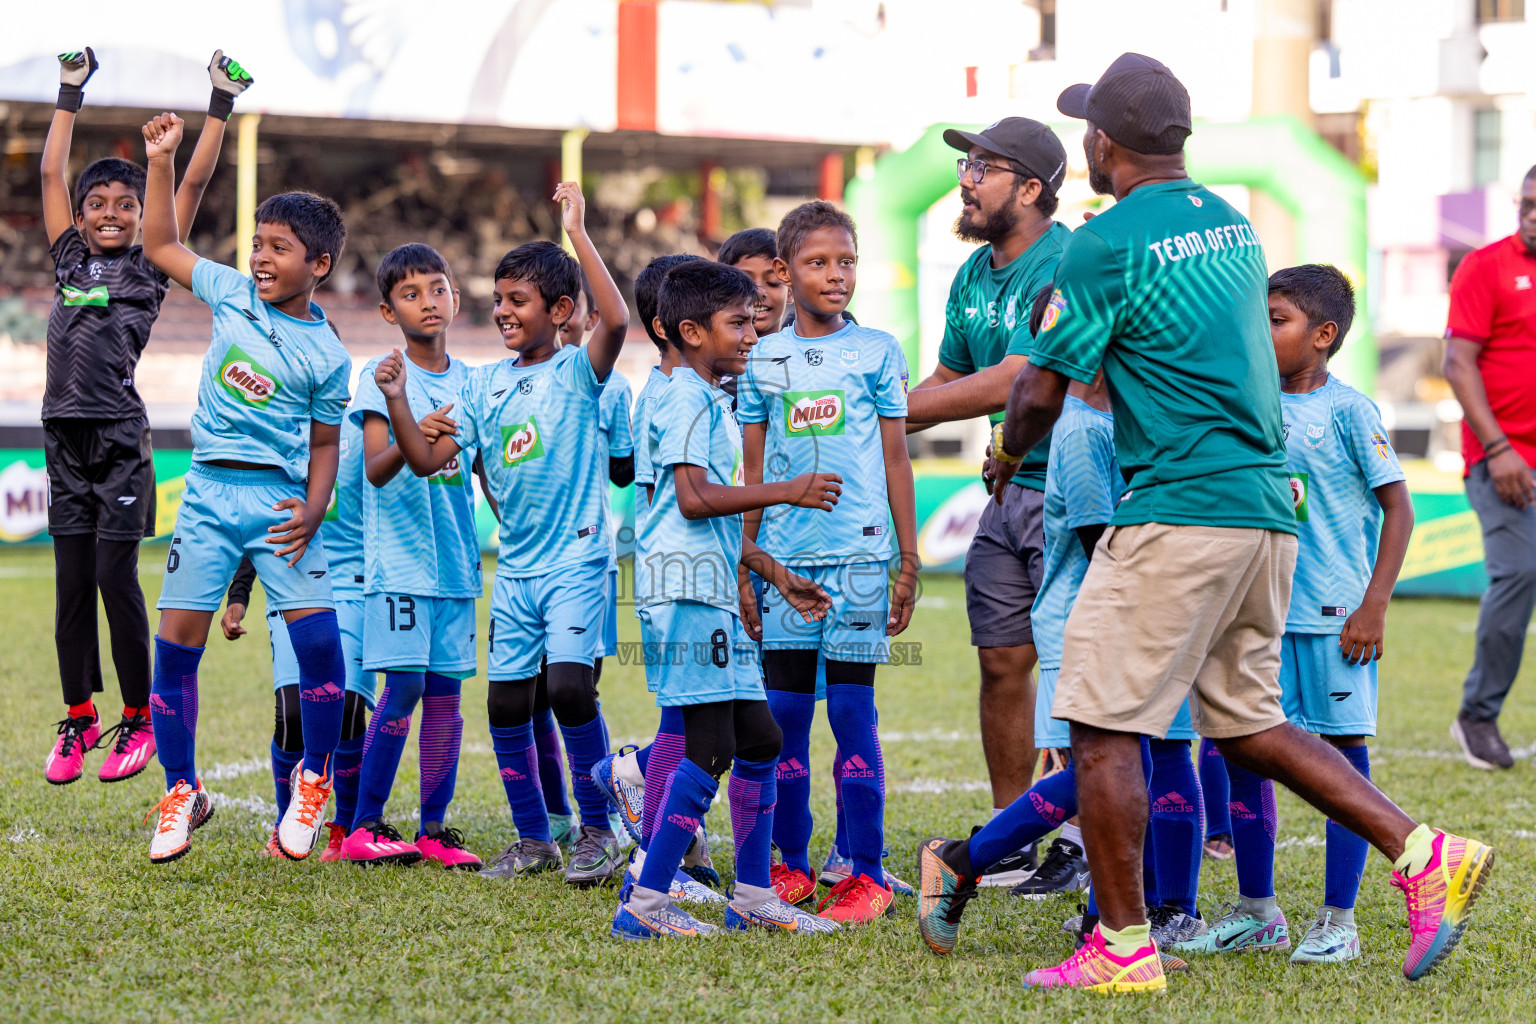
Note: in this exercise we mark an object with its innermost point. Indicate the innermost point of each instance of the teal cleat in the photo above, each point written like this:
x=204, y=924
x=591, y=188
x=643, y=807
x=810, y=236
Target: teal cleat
x=1328, y=941
x=1237, y=930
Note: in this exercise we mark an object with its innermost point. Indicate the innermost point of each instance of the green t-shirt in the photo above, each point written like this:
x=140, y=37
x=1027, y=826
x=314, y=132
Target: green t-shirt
x=1168, y=291
x=987, y=317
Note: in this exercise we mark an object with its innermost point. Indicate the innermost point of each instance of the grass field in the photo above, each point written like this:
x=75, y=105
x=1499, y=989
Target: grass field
x=89, y=930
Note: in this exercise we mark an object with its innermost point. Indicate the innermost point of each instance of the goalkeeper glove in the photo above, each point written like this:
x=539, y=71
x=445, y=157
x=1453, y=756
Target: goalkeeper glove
x=229, y=80
x=75, y=69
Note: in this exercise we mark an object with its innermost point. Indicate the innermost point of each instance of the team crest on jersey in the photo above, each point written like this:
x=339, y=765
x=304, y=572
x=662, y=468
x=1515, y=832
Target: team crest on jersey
x=1382, y=446
x=813, y=356
x=246, y=379
x=452, y=474
x=521, y=442
x=1197, y=201
x=849, y=356
x=1300, y=492
x=95, y=269
x=1053, y=311
x=1315, y=435
x=813, y=413
x=525, y=386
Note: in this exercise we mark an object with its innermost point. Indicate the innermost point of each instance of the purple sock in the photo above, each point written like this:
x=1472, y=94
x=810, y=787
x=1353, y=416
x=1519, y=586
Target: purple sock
x=1037, y=813
x=666, y=754
x=347, y=770
x=1255, y=823
x=173, y=710
x=1213, y=784
x=283, y=763
x=442, y=731
x=316, y=641
x=1175, y=825
x=685, y=800
x=546, y=736
x=792, y=822
x=753, y=792
x=518, y=761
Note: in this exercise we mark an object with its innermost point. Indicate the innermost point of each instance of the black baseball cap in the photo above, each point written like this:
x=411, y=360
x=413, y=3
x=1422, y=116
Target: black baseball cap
x=1137, y=102
x=1028, y=143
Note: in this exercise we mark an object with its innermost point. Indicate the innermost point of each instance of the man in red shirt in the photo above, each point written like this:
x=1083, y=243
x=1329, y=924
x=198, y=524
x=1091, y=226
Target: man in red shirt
x=1490, y=361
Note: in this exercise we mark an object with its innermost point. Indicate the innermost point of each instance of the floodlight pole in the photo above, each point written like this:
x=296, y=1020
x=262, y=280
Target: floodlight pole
x=245, y=191
x=570, y=170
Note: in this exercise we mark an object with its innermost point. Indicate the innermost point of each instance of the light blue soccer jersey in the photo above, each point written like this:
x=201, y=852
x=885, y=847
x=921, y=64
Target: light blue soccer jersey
x=645, y=475
x=1082, y=486
x=342, y=531
x=265, y=377
x=613, y=422
x=1337, y=454
x=678, y=559
x=538, y=427
x=419, y=532
x=822, y=399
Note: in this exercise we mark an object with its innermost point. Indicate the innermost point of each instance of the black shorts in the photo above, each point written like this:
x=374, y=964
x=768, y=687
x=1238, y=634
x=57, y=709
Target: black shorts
x=1004, y=568
x=101, y=478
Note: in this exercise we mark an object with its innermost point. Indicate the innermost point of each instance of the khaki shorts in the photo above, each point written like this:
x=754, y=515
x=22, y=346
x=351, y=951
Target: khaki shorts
x=1168, y=612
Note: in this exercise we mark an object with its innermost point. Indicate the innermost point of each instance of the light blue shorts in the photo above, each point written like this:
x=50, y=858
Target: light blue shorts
x=854, y=629
x=1054, y=732
x=558, y=616
x=432, y=633
x=610, y=644
x=349, y=617
x=224, y=515
x=1321, y=692
x=697, y=653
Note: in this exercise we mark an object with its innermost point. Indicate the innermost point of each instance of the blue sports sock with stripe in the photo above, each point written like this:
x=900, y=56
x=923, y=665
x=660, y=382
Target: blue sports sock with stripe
x=1037, y=813
x=855, y=723
x=518, y=761
x=792, y=821
x=753, y=792
x=1255, y=822
x=1346, y=853
x=283, y=764
x=685, y=801
x=316, y=641
x=1175, y=826
x=585, y=745
x=385, y=742
x=438, y=741
x=1213, y=784
x=546, y=736
x=348, y=773
x=839, y=837
x=173, y=710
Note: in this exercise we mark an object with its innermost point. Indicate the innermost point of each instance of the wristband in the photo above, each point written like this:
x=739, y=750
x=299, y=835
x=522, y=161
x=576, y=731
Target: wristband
x=220, y=105
x=70, y=98
x=1499, y=448
x=998, y=452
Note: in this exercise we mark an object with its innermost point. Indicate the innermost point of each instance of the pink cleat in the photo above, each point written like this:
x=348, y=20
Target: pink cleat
x=337, y=836
x=447, y=848
x=378, y=844
x=1440, y=899
x=66, y=761
x=272, y=849
x=130, y=752
x=1094, y=968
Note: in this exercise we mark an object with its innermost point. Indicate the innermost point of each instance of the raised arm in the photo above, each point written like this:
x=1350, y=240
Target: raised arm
x=613, y=322
x=75, y=69
x=162, y=239
x=699, y=498
x=229, y=80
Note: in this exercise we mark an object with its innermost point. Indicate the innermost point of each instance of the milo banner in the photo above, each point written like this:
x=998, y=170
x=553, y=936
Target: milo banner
x=1445, y=556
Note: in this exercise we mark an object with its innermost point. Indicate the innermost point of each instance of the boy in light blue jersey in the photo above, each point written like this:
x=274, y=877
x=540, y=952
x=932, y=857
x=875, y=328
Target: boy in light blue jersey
x=687, y=554
x=264, y=435
x=539, y=413
x=1353, y=521
x=421, y=576
x=829, y=393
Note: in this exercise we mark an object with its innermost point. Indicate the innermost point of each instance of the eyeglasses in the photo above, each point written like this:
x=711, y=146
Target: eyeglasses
x=979, y=169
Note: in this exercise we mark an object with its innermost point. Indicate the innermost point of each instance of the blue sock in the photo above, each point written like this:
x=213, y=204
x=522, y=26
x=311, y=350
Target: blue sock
x=855, y=724
x=753, y=791
x=1346, y=853
x=840, y=835
x=1175, y=823
x=316, y=641
x=438, y=740
x=1149, y=889
x=643, y=756
x=684, y=803
x=1254, y=824
x=347, y=770
x=792, y=821
x=1038, y=812
x=585, y=745
x=385, y=742
x=1213, y=784
x=173, y=710
x=283, y=763
x=518, y=761
x=546, y=736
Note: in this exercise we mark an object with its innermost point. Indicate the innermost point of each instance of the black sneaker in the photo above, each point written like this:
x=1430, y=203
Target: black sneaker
x=1017, y=867
x=1171, y=925
x=1481, y=744
x=1065, y=869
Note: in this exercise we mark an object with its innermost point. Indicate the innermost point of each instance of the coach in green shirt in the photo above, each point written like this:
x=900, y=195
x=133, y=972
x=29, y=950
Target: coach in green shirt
x=1009, y=175
x=1187, y=592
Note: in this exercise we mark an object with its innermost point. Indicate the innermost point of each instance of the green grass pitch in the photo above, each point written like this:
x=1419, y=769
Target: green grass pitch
x=90, y=930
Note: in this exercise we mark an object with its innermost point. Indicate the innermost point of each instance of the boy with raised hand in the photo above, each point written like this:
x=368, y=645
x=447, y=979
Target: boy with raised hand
x=1345, y=480
x=96, y=442
x=264, y=458
x=687, y=553
x=831, y=393
x=540, y=413
x=422, y=573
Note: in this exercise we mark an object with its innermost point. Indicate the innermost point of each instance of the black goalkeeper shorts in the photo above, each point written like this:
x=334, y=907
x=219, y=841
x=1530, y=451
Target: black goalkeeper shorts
x=101, y=478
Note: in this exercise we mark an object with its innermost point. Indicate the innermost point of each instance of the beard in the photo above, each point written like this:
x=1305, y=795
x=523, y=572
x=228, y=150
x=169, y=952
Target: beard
x=993, y=228
x=1097, y=179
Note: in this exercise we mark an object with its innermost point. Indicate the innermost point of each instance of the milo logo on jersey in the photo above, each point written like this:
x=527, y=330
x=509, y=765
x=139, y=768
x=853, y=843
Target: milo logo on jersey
x=245, y=379
x=451, y=474
x=521, y=442
x=1300, y=492
x=738, y=471
x=813, y=413
x=96, y=296
x=333, y=510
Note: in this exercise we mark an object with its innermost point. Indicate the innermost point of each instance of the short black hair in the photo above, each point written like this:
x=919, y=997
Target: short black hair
x=106, y=171
x=1037, y=308
x=315, y=219
x=546, y=266
x=404, y=260
x=807, y=217
x=648, y=284
x=1322, y=292
x=746, y=244
x=1047, y=201
x=698, y=289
